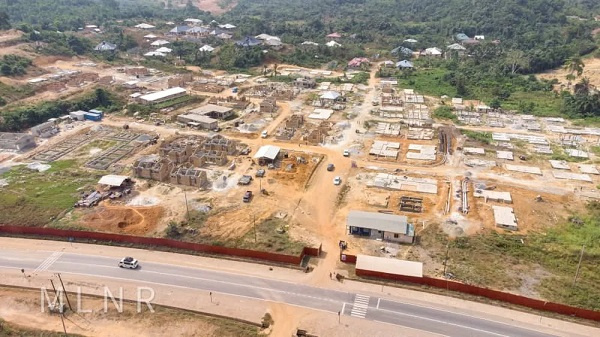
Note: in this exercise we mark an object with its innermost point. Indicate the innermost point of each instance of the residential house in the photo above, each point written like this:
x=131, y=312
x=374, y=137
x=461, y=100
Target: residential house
x=330, y=97
x=359, y=62
x=213, y=111
x=432, y=52
x=105, y=47
x=198, y=121
x=248, y=41
x=455, y=50
x=404, y=64
x=179, y=30
x=333, y=44
x=402, y=51
x=461, y=37
x=198, y=32
x=380, y=226
x=144, y=26
x=206, y=49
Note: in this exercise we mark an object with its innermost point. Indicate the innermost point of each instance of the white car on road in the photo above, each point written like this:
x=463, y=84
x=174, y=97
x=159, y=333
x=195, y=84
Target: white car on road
x=128, y=262
x=337, y=180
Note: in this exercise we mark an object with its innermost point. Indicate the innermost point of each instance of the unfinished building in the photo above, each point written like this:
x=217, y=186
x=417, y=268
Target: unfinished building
x=209, y=87
x=230, y=102
x=178, y=160
x=279, y=91
x=16, y=141
x=188, y=176
x=305, y=83
x=291, y=125
x=153, y=167
x=268, y=105
x=180, y=80
x=45, y=130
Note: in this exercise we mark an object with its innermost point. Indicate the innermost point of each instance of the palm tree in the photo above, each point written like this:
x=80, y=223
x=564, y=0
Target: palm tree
x=574, y=65
x=583, y=87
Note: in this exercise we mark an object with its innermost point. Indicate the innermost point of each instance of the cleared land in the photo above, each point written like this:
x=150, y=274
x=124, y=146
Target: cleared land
x=21, y=309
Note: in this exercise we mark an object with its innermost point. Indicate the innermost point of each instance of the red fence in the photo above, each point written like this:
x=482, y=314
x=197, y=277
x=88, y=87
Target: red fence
x=480, y=291
x=160, y=242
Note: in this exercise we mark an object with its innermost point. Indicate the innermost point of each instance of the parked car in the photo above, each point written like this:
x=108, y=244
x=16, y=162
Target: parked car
x=128, y=262
x=245, y=151
x=346, y=153
x=260, y=173
x=247, y=196
x=330, y=167
x=245, y=180
x=264, y=134
x=337, y=180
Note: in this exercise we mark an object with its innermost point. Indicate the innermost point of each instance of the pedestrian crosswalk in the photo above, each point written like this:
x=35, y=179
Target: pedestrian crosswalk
x=359, y=308
x=49, y=261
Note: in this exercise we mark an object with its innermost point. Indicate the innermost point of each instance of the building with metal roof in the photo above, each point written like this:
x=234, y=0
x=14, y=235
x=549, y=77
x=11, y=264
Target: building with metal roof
x=267, y=153
x=380, y=226
x=162, y=96
x=105, y=46
x=113, y=180
x=389, y=266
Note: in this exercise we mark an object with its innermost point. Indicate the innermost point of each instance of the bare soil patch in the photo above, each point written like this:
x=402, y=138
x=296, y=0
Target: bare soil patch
x=123, y=219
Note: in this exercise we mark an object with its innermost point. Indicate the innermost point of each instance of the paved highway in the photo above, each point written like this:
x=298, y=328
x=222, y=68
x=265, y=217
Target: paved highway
x=363, y=306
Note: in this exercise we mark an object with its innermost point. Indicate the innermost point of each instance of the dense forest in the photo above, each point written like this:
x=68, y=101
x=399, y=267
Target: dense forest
x=66, y=15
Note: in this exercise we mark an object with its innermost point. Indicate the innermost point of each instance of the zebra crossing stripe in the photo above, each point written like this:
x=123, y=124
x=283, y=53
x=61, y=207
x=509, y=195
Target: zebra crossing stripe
x=360, y=306
x=48, y=261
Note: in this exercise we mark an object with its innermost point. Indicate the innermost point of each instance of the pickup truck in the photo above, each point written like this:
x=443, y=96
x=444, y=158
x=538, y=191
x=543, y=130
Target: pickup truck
x=247, y=196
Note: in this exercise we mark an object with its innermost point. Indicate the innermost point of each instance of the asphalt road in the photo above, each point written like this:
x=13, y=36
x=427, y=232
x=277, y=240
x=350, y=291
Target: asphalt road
x=435, y=320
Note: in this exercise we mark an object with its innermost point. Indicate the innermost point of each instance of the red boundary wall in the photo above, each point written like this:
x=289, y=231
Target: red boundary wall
x=480, y=291
x=160, y=242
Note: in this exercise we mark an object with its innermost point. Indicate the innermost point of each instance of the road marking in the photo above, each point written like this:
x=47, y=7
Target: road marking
x=360, y=306
x=343, y=312
x=378, y=300
x=448, y=323
x=48, y=262
x=246, y=285
x=294, y=305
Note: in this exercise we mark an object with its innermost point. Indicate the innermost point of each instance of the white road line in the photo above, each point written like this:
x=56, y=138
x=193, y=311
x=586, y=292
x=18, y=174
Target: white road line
x=343, y=309
x=270, y=290
x=378, y=300
x=448, y=323
x=360, y=306
x=48, y=262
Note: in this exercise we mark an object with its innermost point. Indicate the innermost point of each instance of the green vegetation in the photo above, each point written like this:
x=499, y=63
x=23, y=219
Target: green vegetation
x=35, y=198
x=485, y=259
x=484, y=137
x=10, y=93
x=12, y=330
x=14, y=65
x=270, y=235
x=16, y=119
x=445, y=112
x=429, y=82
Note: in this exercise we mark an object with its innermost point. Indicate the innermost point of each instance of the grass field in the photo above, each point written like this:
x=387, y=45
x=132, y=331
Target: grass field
x=11, y=330
x=544, y=262
x=428, y=82
x=35, y=198
x=271, y=236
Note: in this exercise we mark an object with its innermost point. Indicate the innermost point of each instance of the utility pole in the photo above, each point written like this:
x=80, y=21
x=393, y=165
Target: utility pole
x=446, y=259
x=65, y=291
x=187, y=209
x=579, y=265
x=62, y=319
x=254, y=225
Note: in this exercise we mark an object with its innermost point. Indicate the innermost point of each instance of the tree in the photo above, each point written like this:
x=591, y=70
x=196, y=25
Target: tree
x=495, y=103
x=583, y=87
x=516, y=60
x=574, y=65
x=4, y=21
